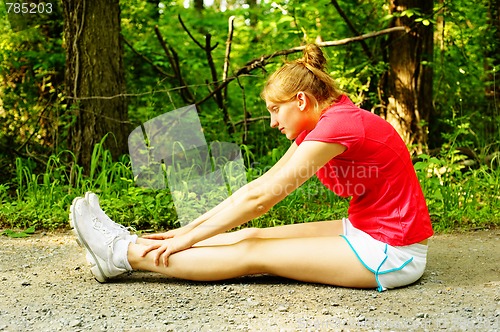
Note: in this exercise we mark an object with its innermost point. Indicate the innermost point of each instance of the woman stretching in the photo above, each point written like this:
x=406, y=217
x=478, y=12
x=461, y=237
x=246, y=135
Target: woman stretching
x=382, y=243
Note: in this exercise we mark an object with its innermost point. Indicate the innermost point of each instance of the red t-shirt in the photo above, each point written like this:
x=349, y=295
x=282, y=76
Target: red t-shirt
x=376, y=170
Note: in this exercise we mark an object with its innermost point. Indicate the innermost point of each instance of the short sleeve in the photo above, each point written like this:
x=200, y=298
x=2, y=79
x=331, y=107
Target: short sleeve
x=301, y=137
x=337, y=126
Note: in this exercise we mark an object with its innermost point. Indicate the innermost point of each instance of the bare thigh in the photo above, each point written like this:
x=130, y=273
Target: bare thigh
x=310, y=229
x=327, y=260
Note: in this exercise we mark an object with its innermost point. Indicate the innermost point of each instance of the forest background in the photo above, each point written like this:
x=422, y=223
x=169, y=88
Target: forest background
x=75, y=81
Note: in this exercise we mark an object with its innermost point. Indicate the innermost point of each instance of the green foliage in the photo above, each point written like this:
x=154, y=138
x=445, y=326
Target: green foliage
x=42, y=200
x=39, y=177
x=19, y=234
x=463, y=67
x=459, y=196
x=311, y=202
x=281, y=25
x=31, y=71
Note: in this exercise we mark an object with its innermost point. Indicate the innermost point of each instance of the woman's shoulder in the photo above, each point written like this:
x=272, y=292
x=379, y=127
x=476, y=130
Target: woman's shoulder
x=342, y=109
x=346, y=113
x=343, y=114
x=348, y=122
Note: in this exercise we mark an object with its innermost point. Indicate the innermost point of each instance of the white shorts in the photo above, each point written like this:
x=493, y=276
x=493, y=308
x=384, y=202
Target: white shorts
x=393, y=266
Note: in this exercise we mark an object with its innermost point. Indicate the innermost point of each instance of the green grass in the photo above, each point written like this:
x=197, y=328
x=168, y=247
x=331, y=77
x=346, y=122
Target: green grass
x=43, y=200
x=457, y=198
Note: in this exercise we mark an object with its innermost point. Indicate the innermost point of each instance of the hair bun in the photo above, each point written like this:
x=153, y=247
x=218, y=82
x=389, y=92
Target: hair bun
x=313, y=56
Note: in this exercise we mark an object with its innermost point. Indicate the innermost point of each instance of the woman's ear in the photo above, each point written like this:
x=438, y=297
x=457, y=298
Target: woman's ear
x=302, y=100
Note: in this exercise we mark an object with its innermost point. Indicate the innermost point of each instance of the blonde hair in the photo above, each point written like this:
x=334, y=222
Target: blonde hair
x=307, y=75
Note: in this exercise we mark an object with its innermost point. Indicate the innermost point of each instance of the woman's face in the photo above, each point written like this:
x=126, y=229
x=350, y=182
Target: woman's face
x=291, y=118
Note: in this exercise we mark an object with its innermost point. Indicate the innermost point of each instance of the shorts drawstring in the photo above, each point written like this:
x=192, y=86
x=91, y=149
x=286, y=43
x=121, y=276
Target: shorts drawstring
x=380, y=288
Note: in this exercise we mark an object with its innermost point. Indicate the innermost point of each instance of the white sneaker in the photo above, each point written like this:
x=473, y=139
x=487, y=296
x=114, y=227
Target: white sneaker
x=93, y=201
x=97, y=240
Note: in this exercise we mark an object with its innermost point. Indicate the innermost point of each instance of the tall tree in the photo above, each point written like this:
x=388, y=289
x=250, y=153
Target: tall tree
x=254, y=6
x=492, y=64
x=409, y=80
x=94, y=77
x=198, y=5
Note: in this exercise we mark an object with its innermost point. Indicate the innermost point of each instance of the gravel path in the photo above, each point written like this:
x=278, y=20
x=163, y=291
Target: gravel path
x=45, y=285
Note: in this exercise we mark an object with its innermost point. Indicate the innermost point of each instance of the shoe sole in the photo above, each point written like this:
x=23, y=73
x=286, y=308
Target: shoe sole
x=95, y=268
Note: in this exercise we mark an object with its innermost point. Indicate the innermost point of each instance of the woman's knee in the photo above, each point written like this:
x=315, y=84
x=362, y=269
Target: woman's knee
x=251, y=254
x=248, y=233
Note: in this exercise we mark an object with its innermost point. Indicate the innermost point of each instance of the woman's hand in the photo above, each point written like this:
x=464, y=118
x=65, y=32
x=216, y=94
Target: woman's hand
x=169, y=234
x=162, y=236
x=167, y=247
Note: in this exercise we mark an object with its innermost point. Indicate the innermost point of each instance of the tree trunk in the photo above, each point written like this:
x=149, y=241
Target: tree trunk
x=254, y=10
x=94, y=77
x=198, y=5
x=492, y=53
x=156, y=10
x=409, y=81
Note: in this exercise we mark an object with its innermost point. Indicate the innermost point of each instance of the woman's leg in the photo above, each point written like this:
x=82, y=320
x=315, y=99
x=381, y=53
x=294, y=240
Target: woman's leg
x=311, y=229
x=327, y=260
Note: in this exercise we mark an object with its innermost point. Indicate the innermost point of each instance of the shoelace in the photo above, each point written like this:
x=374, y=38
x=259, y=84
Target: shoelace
x=120, y=229
x=109, y=234
x=112, y=225
x=117, y=226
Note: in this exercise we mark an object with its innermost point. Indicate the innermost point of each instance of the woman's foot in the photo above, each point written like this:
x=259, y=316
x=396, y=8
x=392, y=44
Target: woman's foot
x=106, y=249
x=93, y=201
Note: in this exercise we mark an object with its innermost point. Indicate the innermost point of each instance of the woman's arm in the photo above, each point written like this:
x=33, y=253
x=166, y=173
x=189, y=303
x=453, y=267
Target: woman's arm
x=257, y=200
x=249, y=186
x=305, y=161
x=228, y=201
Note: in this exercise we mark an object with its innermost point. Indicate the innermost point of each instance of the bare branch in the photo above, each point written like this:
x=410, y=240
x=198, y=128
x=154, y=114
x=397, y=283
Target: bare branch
x=256, y=63
x=351, y=27
x=246, y=114
x=192, y=37
x=264, y=59
x=246, y=69
x=219, y=88
x=189, y=33
x=155, y=67
x=361, y=37
x=174, y=62
x=228, y=47
x=250, y=120
x=225, y=70
x=213, y=70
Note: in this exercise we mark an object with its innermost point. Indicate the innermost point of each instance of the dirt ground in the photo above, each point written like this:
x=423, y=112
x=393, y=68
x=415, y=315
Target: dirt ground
x=45, y=285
